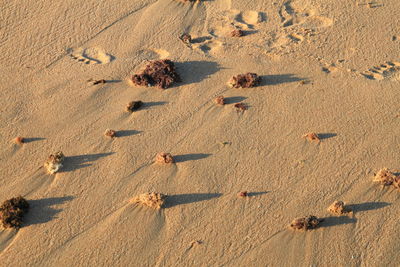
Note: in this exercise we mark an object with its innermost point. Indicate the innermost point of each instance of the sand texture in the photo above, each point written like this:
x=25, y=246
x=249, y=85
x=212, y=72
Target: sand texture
x=326, y=67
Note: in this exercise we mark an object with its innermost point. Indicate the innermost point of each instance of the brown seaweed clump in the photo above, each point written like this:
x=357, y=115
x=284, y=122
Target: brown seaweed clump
x=186, y=38
x=12, y=211
x=240, y=106
x=338, y=208
x=110, y=133
x=152, y=200
x=133, y=106
x=245, y=80
x=243, y=194
x=19, y=140
x=220, y=100
x=312, y=137
x=164, y=158
x=54, y=162
x=237, y=33
x=386, y=177
x=160, y=73
x=305, y=223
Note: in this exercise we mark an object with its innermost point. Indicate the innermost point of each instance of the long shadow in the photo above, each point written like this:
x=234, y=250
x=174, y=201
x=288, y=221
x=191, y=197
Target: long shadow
x=254, y=194
x=333, y=221
x=175, y=200
x=234, y=99
x=147, y=105
x=201, y=39
x=123, y=133
x=33, y=139
x=368, y=206
x=196, y=71
x=188, y=157
x=279, y=79
x=40, y=210
x=77, y=162
x=326, y=135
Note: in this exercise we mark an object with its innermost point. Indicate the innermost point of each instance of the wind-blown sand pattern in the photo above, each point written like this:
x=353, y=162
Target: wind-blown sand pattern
x=328, y=67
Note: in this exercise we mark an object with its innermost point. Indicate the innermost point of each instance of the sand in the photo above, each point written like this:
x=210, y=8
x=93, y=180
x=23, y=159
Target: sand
x=328, y=67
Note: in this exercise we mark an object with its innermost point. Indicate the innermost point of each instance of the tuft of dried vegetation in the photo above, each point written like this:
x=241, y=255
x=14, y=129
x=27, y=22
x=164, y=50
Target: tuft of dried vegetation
x=243, y=194
x=152, y=200
x=240, y=106
x=386, y=177
x=12, y=212
x=220, y=100
x=305, y=223
x=110, y=133
x=163, y=157
x=245, y=80
x=160, y=73
x=338, y=208
x=133, y=106
x=312, y=137
x=54, y=162
x=237, y=33
x=19, y=140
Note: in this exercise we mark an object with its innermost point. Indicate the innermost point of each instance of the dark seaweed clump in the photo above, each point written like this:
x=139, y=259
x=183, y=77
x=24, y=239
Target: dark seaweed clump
x=160, y=73
x=12, y=211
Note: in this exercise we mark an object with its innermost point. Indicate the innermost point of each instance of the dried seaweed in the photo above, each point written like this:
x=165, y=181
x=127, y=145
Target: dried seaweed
x=312, y=137
x=338, y=208
x=245, y=80
x=160, y=73
x=220, y=100
x=237, y=33
x=305, y=223
x=133, y=106
x=110, y=133
x=12, y=212
x=54, y=162
x=152, y=200
x=164, y=158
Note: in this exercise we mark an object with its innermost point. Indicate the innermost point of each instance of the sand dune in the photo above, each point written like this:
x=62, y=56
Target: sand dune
x=327, y=67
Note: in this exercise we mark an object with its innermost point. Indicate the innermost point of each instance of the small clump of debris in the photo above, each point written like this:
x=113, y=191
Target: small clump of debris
x=220, y=100
x=163, y=157
x=54, y=162
x=386, y=177
x=237, y=33
x=12, y=212
x=110, y=133
x=338, y=208
x=245, y=80
x=186, y=38
x=240, y=106
x=312, y=137
x=152, y=200
x=19, y=140
x=243, y=194
x=160, y=73
x=305, y=223
x=133, y=106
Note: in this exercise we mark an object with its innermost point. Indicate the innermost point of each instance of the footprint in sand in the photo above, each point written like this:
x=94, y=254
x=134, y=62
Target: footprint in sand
x=306, y=17
x=91, y=55
x=389, y=70
x=152, y=54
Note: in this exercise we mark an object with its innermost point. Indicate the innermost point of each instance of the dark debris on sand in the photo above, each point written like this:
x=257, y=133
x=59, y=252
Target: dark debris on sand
x=160, y=73
x=237, y=33
x=245, y=80
x=12, y=211
x=305, y=223
x=133, y=106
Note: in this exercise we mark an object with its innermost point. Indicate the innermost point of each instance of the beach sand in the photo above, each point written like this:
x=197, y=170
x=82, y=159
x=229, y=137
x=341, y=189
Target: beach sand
x=327, y=67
